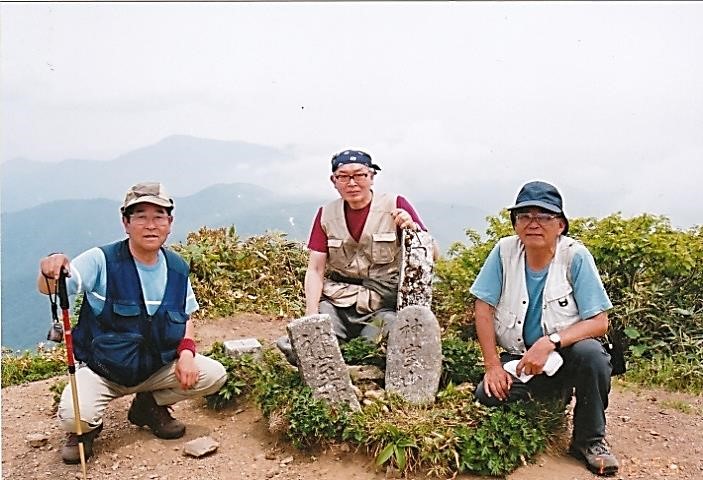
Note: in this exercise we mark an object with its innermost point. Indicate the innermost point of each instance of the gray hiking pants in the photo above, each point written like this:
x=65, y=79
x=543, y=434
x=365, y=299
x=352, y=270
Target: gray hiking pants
x=95, y=392
x=586, y=371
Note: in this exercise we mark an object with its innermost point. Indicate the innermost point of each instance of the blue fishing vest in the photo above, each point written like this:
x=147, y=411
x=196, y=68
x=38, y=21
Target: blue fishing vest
x=124, y=343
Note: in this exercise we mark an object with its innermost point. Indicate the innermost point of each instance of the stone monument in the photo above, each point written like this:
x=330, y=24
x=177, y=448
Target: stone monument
x=320, y=360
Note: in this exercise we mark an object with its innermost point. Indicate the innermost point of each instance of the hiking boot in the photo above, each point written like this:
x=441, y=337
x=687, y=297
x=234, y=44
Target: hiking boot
x=597, y=457
x=144, y=412
x=70, y=452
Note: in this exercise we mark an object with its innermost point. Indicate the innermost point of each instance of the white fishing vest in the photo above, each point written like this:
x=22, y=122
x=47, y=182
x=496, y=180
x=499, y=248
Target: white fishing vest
x=559, y=309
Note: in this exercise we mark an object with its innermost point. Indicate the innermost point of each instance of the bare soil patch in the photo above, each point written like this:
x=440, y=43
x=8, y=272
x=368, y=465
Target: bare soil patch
x=648, y=431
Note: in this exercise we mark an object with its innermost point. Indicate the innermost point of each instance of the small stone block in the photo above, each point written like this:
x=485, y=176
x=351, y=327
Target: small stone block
x=414, y=355
x=201, y=446
x=237, y=348
x=37, y=440
x=320, y=361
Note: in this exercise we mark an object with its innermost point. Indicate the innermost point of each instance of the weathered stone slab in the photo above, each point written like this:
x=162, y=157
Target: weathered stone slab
x=414, y=355
x=320, y=361
x=200, y=447
x=417, y=264
x=238, y=347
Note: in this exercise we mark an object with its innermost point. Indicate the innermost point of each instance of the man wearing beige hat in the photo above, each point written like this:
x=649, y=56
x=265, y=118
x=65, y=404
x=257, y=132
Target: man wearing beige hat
x=134, y=334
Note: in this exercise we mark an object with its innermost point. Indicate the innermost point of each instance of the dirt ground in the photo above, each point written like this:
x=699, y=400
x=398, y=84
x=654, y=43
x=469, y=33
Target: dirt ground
x=655, y=434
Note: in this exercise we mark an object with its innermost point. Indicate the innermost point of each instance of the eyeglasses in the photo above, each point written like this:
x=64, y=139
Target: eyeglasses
x=541, y=218
x=358, y=178
x=141, y=219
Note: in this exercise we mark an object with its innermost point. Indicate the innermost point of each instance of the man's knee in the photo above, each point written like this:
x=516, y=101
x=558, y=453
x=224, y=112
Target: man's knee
x=589, y=354
x=327, y=308
x=214, y=375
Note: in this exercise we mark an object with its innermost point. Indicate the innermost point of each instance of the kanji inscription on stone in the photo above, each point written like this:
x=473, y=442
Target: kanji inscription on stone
x=414, y=355
x=320, y=360
x=417, y=264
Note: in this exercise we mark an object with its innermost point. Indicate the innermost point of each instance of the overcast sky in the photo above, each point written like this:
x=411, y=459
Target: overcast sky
x=459, y=100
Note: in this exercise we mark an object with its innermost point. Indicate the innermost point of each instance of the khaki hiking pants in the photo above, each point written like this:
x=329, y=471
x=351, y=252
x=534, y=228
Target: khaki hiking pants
x=95, y=392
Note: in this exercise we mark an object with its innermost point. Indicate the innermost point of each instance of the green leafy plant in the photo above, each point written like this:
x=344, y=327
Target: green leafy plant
x=313, y=421
x=396, y=449
x=463, y=361
x=360, y=351
x=507, y=437
x=242, y=371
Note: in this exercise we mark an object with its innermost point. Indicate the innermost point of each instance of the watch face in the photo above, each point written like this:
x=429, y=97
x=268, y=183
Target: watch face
x=555, y=338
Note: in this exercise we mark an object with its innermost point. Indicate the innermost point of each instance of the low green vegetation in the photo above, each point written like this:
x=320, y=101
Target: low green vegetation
x=456, y=434
x=262, y=274
x=360, y=351
x=682, y=407
x=30, y=366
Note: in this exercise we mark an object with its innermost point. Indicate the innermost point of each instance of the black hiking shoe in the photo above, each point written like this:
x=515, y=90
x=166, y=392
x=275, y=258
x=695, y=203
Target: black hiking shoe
x=144, y=412
x=597, y=457
x=70, y=452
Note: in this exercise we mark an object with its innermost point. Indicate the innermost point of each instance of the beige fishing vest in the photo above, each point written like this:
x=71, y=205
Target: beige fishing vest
x=559, y=309
x=376, y=254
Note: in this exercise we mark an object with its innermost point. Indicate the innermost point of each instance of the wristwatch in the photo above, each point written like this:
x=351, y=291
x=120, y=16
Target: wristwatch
x=555, y=338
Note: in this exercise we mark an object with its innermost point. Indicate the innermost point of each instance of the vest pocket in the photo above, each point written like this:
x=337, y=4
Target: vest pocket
x=561, y=309
x=128, y=318
x=174, y=328
x=384, y=247
x=122, y=358
x=504, y=320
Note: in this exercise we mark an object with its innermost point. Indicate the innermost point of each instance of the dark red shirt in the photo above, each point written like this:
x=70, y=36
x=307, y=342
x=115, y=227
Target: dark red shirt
x=356, y=219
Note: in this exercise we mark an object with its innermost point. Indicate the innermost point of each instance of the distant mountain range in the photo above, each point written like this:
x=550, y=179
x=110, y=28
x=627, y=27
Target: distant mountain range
x=73, y=213
x=183, y=163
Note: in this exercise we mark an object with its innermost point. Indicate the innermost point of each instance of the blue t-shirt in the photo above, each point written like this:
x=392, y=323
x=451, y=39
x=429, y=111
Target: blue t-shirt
x=588, y=291
x=89, y=274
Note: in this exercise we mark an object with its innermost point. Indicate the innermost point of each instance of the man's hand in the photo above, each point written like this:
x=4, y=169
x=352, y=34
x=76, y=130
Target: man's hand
x=186, y=370
x=50, y=269
x=497, y=382
x=535, y=358
x=51, y=266
x=403, y=219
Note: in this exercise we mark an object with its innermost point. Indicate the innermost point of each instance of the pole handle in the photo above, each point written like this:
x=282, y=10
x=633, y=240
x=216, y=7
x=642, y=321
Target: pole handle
x=63, y=292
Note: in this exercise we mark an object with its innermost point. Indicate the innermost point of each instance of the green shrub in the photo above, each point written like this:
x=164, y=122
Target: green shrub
x=360, y=351
x=31, y=366
x=277, y=384
x=507, y=437
x=463, y=361
x=312, y=421
x=242, y=371
x=263, y=273
x=451, y=300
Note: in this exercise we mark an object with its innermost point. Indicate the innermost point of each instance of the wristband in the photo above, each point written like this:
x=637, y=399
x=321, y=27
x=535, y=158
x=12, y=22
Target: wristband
x=186, y=344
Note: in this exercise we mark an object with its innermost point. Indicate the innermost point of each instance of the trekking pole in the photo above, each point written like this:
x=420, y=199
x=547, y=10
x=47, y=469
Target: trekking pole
x=68, y=336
